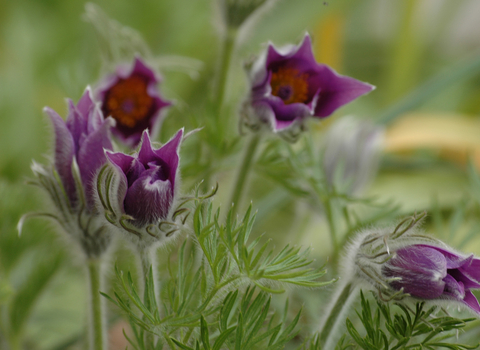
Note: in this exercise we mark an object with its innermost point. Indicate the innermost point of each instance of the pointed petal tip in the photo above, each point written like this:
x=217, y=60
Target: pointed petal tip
x=145, y=136
x=307, y=39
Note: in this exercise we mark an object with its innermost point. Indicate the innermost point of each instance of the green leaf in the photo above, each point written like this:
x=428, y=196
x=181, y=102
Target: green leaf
x=26, y=296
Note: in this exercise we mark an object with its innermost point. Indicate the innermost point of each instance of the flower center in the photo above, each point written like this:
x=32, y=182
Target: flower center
x=128, y=101
x=290, y=85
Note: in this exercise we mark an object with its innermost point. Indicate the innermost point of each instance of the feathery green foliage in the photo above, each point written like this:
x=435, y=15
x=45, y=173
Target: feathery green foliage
x=406, y=328
x=225, y=258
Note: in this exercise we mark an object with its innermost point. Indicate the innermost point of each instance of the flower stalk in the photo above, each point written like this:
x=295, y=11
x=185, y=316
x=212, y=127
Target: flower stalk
x=225, y=61
x=334, y=317
x=243, y=171
x=331, y=224
x=97, y=326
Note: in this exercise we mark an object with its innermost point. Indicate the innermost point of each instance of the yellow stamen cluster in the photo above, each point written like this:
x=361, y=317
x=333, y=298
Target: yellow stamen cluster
x=291, y=79
x=131, y=92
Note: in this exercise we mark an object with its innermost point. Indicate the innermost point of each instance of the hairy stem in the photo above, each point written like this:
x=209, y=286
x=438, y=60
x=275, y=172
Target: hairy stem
x=331, y=224
x=334, y=316
x=148, y=258
x=243, y=171
x=97, y=326
x=219, y=93
x=225, y=61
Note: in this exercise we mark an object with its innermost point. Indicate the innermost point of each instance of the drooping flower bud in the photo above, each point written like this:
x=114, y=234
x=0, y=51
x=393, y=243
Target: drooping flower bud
x=402, y=262
x=352, y=154
x=79, y=154
x=430, y=272
x=138, y=192
x=131, y=97
x=288, y=85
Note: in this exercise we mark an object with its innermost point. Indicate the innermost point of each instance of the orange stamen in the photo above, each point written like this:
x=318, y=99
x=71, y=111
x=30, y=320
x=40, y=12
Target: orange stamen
x=128, y=101
x=290, y=85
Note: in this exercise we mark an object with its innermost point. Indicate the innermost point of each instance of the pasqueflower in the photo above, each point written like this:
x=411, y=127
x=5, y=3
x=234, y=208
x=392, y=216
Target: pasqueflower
x=143, y=189
x=429, y=272
x=403, y=262
x=82, y=137
x=288, y=86
x=131, y=97
x=79, y=154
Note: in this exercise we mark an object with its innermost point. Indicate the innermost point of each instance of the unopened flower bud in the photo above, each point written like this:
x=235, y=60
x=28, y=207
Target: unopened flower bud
x=138, y=192
x=402, y=262
x=79, y=154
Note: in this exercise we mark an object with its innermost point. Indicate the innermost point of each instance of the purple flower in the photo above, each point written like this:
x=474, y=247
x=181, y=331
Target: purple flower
x=289, y=85
x=429, y=272
x=131, y=97
x=147, y=180
x=83, y=138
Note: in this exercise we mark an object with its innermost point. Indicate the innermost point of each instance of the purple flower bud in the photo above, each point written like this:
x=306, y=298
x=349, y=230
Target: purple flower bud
x=429, y=272
x=80, y=142
x=130, y=96
x=147, y=181
x=402, y=262
x=83, y=137
x=289, y=85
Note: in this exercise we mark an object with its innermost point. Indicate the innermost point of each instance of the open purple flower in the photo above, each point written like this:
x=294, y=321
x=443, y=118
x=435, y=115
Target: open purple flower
x=428, y=272
x=289, y=85
x=147, y=181
x=131, y=97
x=82, y=137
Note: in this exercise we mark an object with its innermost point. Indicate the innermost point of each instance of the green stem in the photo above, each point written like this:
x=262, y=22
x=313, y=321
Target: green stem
x=226, y=59
x=334, y=317
x=149, y=261
x=219, y=92
x=97, y=333
x=243, y=171
x=331, y=224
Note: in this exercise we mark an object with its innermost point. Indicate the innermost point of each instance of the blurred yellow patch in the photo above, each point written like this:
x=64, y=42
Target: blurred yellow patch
x=329, y=37
x=456, y=137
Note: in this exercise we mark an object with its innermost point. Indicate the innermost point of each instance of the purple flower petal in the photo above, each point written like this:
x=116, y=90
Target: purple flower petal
x=76, y=124
x=149, y=198
x=169, y=154
x=471, y=301
x=85, y=104
x=460, y=276
x=122, y=163
x=146, y=153
x=83, y=136
x=91, y=157
x=421, y=270
x=454, y=288
x=454, y=261
x=336, y=90
x=64, y=153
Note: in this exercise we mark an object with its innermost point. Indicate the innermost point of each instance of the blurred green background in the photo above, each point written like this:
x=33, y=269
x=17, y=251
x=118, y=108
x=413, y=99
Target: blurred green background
x=423, y=56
